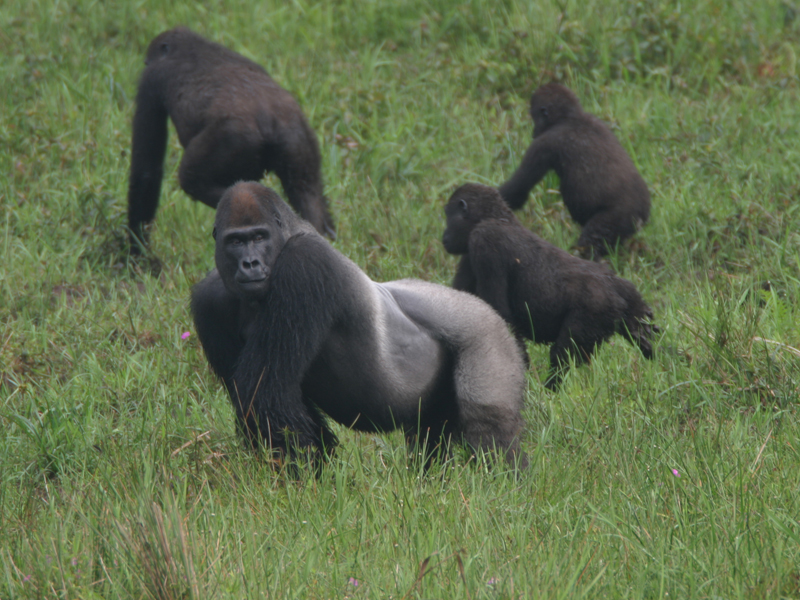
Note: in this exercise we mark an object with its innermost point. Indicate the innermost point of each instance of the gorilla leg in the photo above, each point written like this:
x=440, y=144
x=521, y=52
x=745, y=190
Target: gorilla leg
x=577, y=339
x=604, y=231
x=489, y=400
x=495, y=430
x=297, y=163
x=214, y=160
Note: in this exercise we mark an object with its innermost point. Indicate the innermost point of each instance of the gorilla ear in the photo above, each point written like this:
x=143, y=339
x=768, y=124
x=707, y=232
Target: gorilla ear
x=214, y=233
x=462, y=204
x=543, y=110
x=164, y=49
x=278, y=219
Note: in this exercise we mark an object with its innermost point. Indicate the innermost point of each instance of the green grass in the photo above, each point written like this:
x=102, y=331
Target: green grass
x=120, y=471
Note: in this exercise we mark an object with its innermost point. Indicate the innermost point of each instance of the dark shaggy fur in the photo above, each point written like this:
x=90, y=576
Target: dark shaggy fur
x=545, y=293
x=234, y=123
x=600, y=185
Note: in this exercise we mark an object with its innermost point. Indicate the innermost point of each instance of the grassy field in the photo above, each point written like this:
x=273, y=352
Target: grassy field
x=120, y=472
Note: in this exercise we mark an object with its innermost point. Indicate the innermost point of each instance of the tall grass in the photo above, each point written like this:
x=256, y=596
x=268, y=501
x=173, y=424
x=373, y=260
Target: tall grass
x=120, y=471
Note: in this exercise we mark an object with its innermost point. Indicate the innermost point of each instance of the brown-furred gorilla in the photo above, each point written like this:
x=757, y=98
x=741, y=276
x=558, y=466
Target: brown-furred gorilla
x=295, y=329
x=234, y=123
x=545, y=293
x=600, y=185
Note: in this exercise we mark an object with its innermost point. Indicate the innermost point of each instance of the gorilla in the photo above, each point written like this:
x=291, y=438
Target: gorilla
x=233, y=121
x=294, y=329
x=545, y=293
x=600, y=185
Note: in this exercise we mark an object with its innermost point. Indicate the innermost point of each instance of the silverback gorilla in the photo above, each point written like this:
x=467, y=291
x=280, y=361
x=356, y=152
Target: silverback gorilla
x=600, y=185
x=234, y=123
x=545, y=293
x=293, y=327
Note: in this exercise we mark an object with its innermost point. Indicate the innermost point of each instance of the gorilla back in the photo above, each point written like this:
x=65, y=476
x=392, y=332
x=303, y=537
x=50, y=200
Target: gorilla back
x=234, y=123
x=293, y=328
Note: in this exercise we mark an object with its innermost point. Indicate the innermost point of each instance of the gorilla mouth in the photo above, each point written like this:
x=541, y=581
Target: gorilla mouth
x=246, y=281
x=253, y=280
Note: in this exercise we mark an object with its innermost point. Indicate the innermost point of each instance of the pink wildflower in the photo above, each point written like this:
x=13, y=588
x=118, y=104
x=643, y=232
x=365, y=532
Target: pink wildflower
x=675, y=472
x=185, y=335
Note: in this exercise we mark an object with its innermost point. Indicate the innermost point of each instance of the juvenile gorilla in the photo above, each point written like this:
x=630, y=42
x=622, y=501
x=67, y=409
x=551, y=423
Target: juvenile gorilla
x=293, y=327
x=545, y=293
x=600, y=185
x=234, y=123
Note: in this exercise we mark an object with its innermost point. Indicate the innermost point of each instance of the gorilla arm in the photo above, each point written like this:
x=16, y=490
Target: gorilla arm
x=216, y=316
x=148, y=147
x=287, y=333
x=465, y=276
x=489, y=260
x=538, y=160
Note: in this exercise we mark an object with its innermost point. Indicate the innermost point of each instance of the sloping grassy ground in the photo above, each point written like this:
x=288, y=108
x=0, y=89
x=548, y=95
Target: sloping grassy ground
x=120, y=473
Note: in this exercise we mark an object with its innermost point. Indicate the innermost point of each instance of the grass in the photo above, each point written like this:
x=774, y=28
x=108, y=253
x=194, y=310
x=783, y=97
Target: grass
x=120, y=471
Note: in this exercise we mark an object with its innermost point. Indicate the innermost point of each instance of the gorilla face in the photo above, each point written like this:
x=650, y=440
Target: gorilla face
x=456, y=235
x=244, y=258
x=249, y=239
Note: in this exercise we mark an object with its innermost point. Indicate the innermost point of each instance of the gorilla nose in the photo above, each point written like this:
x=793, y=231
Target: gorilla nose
x=251, y=270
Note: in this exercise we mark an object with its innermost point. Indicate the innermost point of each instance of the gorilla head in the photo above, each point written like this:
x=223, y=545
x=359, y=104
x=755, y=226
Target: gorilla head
x=250, y=235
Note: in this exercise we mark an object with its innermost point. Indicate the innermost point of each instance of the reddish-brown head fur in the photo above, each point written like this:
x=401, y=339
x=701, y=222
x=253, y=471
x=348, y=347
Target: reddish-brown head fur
x=245, y=204
x=248, y=206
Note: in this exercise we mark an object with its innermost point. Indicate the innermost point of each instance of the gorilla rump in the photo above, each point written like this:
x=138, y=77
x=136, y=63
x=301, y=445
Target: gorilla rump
x=545, y=293
x=293, y=328
x=234, y=123
x=600, y=185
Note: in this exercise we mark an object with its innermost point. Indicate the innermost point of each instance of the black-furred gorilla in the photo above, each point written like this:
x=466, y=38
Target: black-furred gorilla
x=545, y=293
x=293, y=327
x=600, y=185
x=234, y=123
